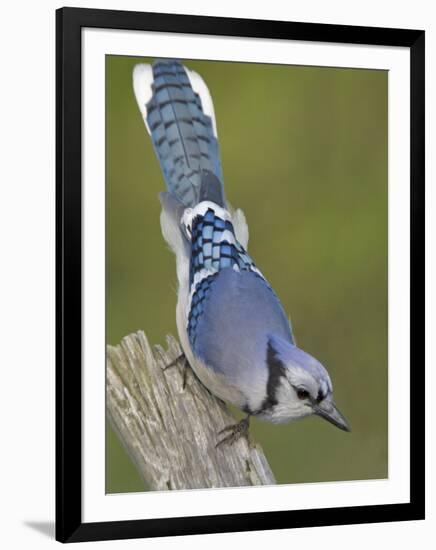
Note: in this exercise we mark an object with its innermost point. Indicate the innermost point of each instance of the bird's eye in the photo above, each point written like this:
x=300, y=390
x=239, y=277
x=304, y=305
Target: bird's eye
x=302, y=394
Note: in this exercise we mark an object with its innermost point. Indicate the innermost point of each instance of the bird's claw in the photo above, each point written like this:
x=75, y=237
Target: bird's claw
x=236, y=431
x=185, y=364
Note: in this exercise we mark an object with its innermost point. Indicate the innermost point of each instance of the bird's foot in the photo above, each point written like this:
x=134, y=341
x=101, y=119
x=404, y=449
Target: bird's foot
x=174, y=362
x=235, y=431
x=180, y=359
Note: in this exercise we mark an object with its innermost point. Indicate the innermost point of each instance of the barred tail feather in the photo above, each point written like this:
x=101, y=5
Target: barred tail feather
x=178, y=113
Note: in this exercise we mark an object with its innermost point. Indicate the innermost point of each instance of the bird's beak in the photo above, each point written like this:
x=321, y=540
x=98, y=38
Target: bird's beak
x=328, y=411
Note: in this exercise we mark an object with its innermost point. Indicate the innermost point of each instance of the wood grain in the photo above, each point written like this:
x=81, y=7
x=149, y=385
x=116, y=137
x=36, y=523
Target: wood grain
x=170, y=430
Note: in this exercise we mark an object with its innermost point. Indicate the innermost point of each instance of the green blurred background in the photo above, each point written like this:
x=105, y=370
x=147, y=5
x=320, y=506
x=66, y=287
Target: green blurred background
x=304, y=154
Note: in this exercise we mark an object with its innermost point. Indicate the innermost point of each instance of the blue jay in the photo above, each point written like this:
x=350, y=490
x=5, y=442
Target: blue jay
x=232, y=327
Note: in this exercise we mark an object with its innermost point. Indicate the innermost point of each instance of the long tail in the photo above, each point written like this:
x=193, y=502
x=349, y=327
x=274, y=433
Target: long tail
x=178, y=114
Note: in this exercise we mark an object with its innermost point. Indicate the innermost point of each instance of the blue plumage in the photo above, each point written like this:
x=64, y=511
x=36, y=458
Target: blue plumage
x=233, y=329
x=181, y=132
x=215, y=247
x=237, y=317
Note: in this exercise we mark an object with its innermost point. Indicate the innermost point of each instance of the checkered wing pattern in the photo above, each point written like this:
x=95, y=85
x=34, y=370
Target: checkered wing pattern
x=182, y=134
x=202, y=291
x=214, y=248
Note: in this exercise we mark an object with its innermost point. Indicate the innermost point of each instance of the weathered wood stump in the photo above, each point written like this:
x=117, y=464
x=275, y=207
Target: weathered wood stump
x=170, y=430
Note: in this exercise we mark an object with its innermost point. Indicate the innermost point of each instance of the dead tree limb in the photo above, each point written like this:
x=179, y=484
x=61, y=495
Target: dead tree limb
x=171, y=431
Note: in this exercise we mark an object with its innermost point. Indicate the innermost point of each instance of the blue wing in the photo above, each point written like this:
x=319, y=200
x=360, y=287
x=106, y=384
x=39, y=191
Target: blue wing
x=221, y=267
x=236, y=316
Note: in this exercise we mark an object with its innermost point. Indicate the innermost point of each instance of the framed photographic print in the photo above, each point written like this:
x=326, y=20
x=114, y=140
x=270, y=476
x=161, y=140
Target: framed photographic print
x=240, y=274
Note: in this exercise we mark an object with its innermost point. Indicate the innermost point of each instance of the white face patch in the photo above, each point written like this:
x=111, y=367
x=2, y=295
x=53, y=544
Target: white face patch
x=325, y=387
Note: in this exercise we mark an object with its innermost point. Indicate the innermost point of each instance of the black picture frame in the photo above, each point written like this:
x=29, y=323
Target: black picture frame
x=69, y=525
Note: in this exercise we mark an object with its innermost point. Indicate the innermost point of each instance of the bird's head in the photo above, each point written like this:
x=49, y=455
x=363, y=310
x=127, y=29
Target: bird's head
x=299, y=385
